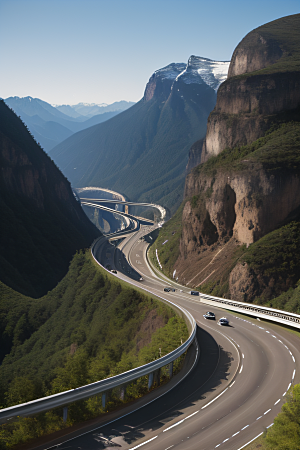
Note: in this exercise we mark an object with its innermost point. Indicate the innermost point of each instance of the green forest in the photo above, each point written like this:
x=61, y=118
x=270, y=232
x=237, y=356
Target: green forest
x=90, y=327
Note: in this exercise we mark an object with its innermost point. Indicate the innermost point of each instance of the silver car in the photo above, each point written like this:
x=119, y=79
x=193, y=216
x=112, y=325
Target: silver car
x=223, y=321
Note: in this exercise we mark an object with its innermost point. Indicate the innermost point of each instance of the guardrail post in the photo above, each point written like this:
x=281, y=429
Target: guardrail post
x=65, y=413
x=103, y=400
x=157, y=377
x=122, y=393
x=171, y=369
x=150, y=381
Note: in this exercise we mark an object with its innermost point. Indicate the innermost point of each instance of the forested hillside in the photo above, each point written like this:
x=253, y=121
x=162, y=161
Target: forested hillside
x=90, y=327
x=42, y=225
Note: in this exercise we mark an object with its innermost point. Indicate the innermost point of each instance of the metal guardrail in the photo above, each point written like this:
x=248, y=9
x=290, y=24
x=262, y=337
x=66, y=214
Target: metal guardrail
x=64, y=398
x=276, y=315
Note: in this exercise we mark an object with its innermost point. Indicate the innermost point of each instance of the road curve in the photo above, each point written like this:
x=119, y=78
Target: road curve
x=232, y=395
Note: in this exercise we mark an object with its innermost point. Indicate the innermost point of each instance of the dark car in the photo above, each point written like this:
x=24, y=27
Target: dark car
x=195, y=292
x=209, y=315
x=169, y=289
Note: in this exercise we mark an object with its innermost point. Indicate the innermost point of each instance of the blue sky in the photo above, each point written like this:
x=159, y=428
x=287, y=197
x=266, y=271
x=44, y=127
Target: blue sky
x=71, y=51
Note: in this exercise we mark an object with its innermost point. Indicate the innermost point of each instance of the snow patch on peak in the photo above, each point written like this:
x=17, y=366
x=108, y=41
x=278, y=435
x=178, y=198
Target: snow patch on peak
x=169, y=72
x=203, y=70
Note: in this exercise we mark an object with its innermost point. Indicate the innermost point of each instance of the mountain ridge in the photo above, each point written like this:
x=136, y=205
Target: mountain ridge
x=42, y=224
x=143, y=151
x=49, y=125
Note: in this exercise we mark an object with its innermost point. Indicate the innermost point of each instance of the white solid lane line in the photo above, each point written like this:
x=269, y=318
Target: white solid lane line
x=250, y=441
x=178, y=423
x=214, y=399
x=143, y=443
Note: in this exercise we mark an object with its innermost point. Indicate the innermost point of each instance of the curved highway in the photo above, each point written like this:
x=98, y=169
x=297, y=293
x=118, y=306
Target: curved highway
x=232, y=395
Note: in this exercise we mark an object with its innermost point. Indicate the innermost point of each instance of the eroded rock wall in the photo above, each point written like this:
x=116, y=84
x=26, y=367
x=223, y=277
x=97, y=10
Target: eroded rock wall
x=247, y=204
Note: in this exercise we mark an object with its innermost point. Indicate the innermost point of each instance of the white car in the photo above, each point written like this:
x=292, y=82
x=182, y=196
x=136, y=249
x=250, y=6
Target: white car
x=223, y=321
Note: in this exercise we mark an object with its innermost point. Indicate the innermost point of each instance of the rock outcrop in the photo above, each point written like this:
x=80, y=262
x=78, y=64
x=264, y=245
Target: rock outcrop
x=263, y=81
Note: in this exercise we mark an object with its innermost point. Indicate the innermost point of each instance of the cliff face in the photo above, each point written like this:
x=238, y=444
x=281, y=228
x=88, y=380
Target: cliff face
x=263, y=81
x=42, y=225
x=256, y=51
x=246, y=205
x=161, y=81
x=248, y=182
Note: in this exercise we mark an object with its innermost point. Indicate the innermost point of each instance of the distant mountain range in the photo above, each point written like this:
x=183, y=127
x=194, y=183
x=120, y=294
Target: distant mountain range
x=50, y=124
x=143, y=151
x=92, y=109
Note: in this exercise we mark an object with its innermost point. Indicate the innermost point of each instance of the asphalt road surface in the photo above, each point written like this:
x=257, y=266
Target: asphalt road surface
x=231, y=396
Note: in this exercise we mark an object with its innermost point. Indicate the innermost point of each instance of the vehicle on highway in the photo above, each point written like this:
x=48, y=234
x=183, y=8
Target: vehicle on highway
x=169, y=289
x=223, y=321
x=209, y=315
x=113, y=271
x=195, y=293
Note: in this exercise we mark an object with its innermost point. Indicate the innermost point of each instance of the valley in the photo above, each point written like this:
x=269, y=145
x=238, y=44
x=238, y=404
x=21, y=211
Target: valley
x=122, y=226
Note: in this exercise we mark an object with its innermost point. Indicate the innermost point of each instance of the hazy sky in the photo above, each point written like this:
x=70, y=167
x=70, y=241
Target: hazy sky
x=71, y=51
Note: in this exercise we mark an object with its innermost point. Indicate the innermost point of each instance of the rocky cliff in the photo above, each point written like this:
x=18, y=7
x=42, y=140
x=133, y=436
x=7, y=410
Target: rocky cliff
x=248, y=184
x=263, y=81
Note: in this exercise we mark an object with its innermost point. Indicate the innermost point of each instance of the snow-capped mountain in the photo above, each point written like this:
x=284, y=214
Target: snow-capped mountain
x=143, y=151
x=198, y=71
x=204, y=70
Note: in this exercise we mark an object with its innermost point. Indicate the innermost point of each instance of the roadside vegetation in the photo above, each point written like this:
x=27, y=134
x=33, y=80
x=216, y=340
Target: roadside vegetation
x=167, y=243
x=285, y=433
x=90, y=327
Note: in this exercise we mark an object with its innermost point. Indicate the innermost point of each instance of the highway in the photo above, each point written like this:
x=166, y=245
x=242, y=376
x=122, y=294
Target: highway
x=231, y=396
